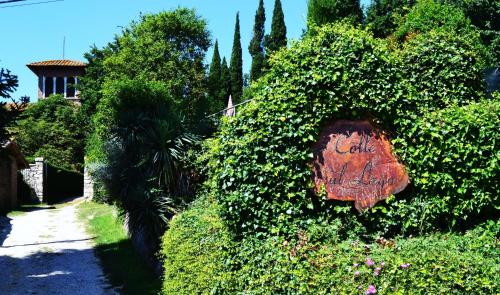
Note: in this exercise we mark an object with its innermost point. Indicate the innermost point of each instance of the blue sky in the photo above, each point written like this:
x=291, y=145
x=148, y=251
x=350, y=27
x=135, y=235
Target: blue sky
x=35, y=33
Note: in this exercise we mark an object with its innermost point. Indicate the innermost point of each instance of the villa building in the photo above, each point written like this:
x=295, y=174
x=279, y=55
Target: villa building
x=58, y=77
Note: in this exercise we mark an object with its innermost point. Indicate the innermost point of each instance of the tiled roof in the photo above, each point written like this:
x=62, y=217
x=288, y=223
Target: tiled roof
x=58, y=63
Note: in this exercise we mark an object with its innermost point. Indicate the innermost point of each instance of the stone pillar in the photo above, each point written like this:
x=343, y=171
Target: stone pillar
x=34, y=176
x=88, y=185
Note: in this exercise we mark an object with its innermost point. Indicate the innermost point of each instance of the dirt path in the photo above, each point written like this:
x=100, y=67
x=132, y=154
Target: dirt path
x=48, y=252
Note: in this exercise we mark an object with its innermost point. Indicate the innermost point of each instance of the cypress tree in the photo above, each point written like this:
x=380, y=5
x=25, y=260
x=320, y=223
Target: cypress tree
x=225, y=90
x=215, y=81
x=322, y=12
x=277, y=38
x=237, y=64
x=256, y=47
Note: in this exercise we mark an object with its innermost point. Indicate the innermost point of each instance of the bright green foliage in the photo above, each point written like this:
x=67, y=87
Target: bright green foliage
x=195, y=250
x=428, y=15
x=277, y=38
x=200, y=257
x=453, y=157
x=261, y=161
x=442, y=69
x=322, y=12
x=236, y=66
x=256, y=46
x=51, y=129
x=382, y=15
x=216, y=90
x=170, y=47
x=435, y=264
x=91, y=84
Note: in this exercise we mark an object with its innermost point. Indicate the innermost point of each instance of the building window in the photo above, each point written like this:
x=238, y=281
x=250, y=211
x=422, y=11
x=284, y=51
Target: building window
x=60, y=85
x=71, y=87
x=49, y=86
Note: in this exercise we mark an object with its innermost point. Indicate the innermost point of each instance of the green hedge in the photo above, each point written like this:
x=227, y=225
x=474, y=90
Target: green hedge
x=195, y=249
x=453, y=157
x=260, y=161
x=200, y=257
x=435, y=264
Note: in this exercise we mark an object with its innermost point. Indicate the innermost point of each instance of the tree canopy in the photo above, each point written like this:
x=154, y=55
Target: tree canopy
x=170, y=47
x=322, y=12
x=51, y=129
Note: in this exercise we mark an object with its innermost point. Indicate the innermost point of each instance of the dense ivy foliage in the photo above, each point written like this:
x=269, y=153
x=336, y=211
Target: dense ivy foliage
x=441, y=69
x=195, y=250
x=453, y=156
x=261, y=160
x=201, y=258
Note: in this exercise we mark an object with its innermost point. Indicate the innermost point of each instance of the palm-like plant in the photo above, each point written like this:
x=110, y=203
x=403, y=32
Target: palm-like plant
x=146, y=153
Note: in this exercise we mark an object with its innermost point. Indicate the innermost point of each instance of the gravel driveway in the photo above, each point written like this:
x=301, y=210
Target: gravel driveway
x=48, y=252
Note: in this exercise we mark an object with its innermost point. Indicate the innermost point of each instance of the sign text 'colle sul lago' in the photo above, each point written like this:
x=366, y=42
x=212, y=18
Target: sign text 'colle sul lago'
x=354, y=161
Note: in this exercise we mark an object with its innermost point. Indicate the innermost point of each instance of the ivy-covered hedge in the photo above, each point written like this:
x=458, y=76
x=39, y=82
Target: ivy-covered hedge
x=453, y=157
x=195, y=249
x=260, y=163
x=201, y=258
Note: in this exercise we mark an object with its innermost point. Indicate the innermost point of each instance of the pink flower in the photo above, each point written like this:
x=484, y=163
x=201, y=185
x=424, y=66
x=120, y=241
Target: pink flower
x=377, y=271
x=405, y=265
x=369, y=262
x=371, y=290
x=357, y=273
x=355, y=264
x=382, y=264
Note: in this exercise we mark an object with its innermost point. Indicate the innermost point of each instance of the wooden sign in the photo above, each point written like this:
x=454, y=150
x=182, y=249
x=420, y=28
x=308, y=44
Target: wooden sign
x=354, y=161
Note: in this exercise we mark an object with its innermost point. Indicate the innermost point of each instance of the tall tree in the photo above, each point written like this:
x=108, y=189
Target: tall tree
x=256, y=47
x=277, y=38
x=381, y=16
x=226, y=82
x=215, y=80
x=169, y=47
x=237, y=63
x=322, y=12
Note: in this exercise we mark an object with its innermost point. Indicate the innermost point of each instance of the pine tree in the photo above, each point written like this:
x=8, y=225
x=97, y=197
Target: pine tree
x=225, y=90
x=214, y=79
x=277, y=38
x=256, y=47
x=322, y=12
x=237, y=64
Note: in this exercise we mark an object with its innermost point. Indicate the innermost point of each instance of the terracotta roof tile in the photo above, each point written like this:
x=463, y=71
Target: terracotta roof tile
x=58, y=63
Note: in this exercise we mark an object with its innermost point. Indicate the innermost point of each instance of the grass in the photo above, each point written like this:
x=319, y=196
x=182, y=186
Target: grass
x=121, y=264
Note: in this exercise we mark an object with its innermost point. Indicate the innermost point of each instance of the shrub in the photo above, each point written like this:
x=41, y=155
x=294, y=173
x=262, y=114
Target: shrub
x=195, y=250
x=441, y=69
x=428, y=15
x=453, y=159
x=434, y=264
x=261, y=159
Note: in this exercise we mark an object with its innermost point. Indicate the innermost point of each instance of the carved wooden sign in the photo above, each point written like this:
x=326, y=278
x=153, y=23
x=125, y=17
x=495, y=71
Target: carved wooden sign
x=354, y=161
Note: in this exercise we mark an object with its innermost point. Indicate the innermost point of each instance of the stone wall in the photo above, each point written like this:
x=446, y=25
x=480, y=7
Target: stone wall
x=34, y=177
x=88, y=185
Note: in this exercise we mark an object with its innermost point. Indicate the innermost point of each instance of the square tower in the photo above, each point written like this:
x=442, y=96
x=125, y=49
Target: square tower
x=58, y=77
